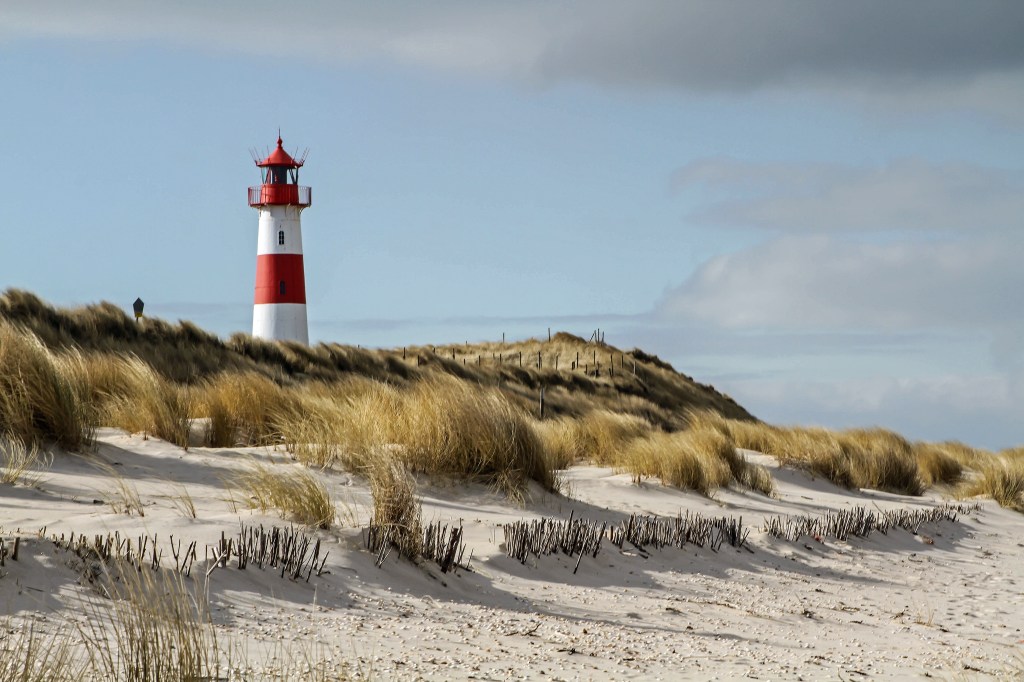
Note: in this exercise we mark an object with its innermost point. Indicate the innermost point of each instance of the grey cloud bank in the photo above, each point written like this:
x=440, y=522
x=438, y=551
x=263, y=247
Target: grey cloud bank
x=831, y=283
x=700, y=45
x=903, y=194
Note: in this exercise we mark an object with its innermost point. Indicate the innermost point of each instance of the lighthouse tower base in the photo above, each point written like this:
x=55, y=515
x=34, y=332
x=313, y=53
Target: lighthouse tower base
x=281, y=322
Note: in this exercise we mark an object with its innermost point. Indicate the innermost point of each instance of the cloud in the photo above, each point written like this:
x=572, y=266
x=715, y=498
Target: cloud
x=885, y=295
x=980, y=409
x=829, y=283
x=907, y=194
x=696, y=46
x=722, y=46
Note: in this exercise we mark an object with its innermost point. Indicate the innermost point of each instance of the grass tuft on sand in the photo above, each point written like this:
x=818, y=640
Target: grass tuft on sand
x=298, y=494
x=397, y=513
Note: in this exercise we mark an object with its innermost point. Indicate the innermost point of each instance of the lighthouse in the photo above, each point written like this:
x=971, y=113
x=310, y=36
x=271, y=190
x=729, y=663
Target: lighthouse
x=279, y=309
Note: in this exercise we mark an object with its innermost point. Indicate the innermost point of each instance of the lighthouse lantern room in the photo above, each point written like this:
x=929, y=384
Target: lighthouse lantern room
x=279, y=310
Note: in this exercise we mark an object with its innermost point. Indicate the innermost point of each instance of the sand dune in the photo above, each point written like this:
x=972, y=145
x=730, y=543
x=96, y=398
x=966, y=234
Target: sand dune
x=945, y=602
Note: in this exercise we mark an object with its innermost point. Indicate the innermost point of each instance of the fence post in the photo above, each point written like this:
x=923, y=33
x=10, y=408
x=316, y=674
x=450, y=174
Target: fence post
x=542, y=402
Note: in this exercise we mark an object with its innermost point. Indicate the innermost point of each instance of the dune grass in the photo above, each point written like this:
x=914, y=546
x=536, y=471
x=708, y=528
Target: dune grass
x=397, y=512
x=130, y=395
x=463, y=411
x=44, y=395
x=242, y=408
x=298, y=494
x=26, y=655
x=699, y=459
x=439, y=426
x=599, y=436
x=1002, y=479
x=157, y=628
x=18, y=461
x=941, y=463
x=854, y=458
x=447, y=427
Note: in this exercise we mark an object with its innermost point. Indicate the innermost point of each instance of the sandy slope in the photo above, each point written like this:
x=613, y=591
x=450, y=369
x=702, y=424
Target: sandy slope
x=946, y=603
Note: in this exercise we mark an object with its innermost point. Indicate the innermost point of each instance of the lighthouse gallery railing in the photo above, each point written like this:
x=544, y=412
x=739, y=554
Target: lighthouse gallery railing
x=294, y=195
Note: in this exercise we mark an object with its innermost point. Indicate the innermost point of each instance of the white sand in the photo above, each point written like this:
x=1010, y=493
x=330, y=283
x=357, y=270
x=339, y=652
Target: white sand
x=946, y=603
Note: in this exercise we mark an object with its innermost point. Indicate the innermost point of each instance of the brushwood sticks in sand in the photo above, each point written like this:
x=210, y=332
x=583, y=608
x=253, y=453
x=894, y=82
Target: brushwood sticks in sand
x=576, y=537
x=860, y=522
x=288, y=549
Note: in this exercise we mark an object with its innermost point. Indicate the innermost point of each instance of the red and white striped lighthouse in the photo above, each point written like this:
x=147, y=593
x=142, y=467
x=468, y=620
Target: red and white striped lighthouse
x=279, y=310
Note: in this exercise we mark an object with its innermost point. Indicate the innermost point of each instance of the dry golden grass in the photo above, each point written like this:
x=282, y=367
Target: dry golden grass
x=1012, y=454
x=29, y=656
x=396, y=507
x=439, y=426
x=968, y=457
x=462, y=410
x=854, y=458
x=298, y=494
x=1002, y=479
x=599, y=436
x=339, y=423
x=857, y=458
x=448, y=427
x=19, y=461
x=938, y=464
x=242, y=409
x=135, y=398
x=882, y=460
x=157, y=629
x=699, y=459
x=44, y=395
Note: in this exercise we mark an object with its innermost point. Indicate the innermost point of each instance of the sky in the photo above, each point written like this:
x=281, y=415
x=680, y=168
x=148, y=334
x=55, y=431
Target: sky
x=814, y=206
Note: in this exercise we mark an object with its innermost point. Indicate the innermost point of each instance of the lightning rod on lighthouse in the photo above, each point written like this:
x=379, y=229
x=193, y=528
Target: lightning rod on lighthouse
x=279, y=309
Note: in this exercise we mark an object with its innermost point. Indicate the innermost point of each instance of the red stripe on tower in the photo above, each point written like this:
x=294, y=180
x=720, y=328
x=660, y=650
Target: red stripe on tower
x=280, y=279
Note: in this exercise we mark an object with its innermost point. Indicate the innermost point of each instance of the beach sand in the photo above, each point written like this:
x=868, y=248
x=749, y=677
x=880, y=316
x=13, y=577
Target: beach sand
x=945, y=602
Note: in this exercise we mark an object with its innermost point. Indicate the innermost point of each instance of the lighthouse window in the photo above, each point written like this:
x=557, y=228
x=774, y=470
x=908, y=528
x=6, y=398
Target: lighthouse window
x=279, y=175
x=280, y=237
x=282, y=287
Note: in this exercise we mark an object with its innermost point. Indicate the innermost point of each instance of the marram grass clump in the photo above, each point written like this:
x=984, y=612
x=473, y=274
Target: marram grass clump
x=439, y=426
x=397, y=511
x=299, y=495
x=697, y=459
x=1002, y=479
x=44, y=394
x=854, y=458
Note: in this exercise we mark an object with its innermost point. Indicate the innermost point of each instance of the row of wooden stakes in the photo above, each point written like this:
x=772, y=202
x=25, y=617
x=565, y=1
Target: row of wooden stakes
x=579, y=537
x=860, y=522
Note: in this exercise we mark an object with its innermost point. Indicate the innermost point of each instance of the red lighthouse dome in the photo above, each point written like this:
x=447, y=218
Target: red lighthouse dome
x=280, y=172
